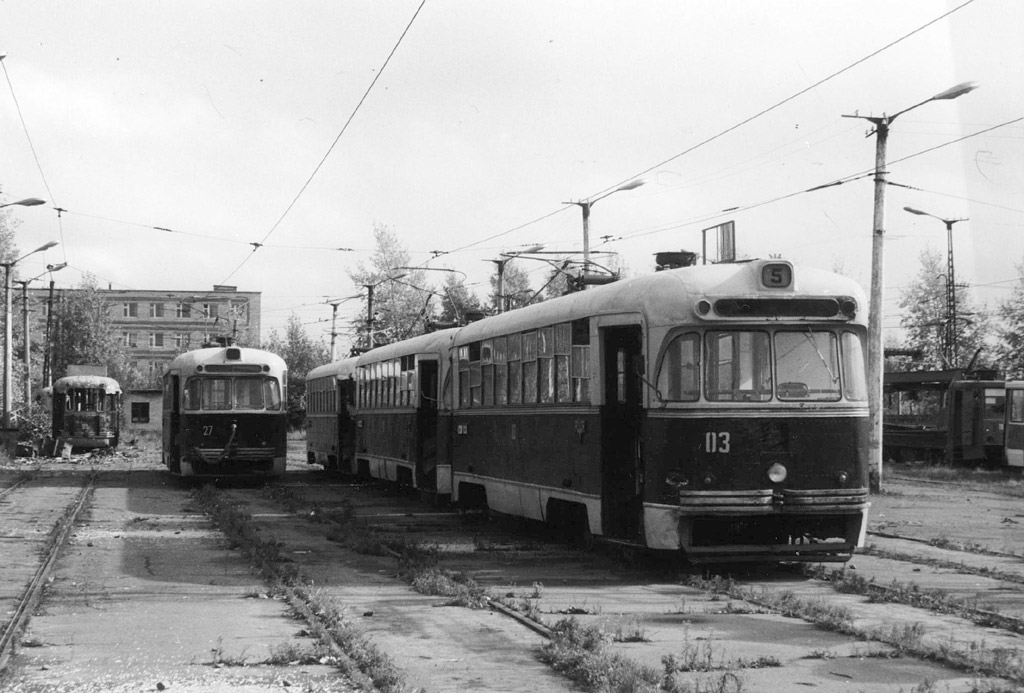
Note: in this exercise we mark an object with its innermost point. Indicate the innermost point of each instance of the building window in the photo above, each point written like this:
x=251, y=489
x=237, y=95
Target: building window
x=130, y=339
x=239, y=312
x=180, y=340
x=183, y=310
x=210, y=310
x=131, y=310
x=156, y=310
x=140, y=412
x=156, y=339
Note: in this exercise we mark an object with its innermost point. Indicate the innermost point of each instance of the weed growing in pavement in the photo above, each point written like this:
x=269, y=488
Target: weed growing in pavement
x=529, y=608
x=220, y=660
x=353, y=653
x=461, y=590
x=958, y=566
x=820, y=654
x=694, y=656
x=633, y=631
x=1000, y=663
x=291, y=654
x=538, y=590
x=1003, y=481
x=910, y=594
x=580, y=653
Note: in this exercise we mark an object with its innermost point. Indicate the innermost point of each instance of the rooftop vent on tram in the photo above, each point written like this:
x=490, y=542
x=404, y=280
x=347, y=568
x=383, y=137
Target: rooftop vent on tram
x=674, y=259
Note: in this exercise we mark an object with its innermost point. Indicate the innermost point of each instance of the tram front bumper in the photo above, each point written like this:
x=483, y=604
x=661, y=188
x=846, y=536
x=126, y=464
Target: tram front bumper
x=764, y=524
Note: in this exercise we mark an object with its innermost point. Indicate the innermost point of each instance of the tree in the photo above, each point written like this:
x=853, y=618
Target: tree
x=400, y=304
x=301, y=354
x=457, y=300
x=83, y=335
x=1009, y=348
x=515, y=286
x=923, y=303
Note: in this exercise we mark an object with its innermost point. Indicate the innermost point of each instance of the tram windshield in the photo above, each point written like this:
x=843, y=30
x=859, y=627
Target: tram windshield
x=88, y=399
x=225, y=394
x=756, y=365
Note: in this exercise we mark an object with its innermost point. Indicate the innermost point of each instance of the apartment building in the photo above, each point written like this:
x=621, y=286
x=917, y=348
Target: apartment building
x=158, y=325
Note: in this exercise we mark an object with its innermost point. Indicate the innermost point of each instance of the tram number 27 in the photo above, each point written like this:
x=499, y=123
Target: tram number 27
x=716, y=441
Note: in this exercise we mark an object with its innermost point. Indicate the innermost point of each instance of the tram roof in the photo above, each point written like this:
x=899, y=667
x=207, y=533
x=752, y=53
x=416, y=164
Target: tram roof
x=97, y=382
x=667, y=297
x=432, y=342
x=339, y=369
x=218, y=355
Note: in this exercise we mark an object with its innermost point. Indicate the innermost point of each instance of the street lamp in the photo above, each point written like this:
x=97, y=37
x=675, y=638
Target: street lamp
x=876, y=354
x=585, y=205
x=8, y=334
x=499, y=286
x=27, y=202
x=949, y=335
x=27, y=357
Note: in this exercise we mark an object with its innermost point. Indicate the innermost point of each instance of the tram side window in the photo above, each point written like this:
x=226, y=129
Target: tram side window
x=679, y=376
x=739, y=367
x=529, y=367
x=1017, y=406
x=515, y=369
x=408, y=381
x=579, y=369
x=500, y=357
x=807, y=365
x=546, y=364
x=855, y=383
x=487, y=372
x=464, y=396
x=563, y=356
x=475, y=375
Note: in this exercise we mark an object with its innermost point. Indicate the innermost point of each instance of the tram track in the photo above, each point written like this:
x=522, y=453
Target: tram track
x=20, y=505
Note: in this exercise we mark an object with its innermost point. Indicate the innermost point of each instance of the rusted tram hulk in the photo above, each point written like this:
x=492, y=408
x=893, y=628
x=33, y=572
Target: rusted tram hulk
x=86, y=412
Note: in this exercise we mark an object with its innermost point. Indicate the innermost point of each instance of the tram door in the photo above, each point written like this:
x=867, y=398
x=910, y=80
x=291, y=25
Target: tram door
x=346, y=394
x=426, y=425
x=622, y=467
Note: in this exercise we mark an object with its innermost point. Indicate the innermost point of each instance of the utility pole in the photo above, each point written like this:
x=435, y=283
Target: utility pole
x=334, y=333
x=876, y=355
x=369, y=315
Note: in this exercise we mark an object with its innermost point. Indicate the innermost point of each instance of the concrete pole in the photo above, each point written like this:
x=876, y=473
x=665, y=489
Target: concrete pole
x=8, y=336
x=369, y=315
x=876, y=354
x=334, y=333
x=28, y=349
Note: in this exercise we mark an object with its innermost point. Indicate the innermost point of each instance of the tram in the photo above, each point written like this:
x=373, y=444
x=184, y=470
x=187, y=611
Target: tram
x=86, y=411
x=224, y=413
x=718, y=411
x=1014, y=424
x=330, y=396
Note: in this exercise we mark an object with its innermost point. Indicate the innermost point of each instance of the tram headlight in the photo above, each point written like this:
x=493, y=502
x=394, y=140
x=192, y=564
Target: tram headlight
x=842, y=478
x=777, y=473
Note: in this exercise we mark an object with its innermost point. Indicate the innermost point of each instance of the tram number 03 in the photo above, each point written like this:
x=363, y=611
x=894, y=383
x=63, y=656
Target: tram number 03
x=717, y=441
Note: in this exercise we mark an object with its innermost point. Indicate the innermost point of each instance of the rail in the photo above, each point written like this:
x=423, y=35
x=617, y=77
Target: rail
x=29, y=599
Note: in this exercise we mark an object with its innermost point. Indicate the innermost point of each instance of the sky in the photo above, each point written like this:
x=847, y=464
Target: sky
x=176, y=136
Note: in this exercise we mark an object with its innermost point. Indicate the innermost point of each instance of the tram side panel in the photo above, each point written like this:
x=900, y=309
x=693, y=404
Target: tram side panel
x=386, y=445
x=517, y=461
